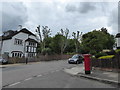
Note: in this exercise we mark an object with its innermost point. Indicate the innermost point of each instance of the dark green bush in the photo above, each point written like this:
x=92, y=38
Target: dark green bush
x=117, y=50
x=100, y=54
x=112, y=52
x=46, y=51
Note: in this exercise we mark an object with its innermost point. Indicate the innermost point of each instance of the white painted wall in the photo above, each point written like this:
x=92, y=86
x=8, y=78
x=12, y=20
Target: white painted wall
x=0, y=46
x=22, y=36
x=118, y=39
x=33, y=37
x=6, y=46
x=9, y=46
x=118, y=42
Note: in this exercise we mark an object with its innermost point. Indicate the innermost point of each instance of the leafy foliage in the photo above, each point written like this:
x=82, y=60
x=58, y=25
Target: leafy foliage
x=106, y=57
x=92, y=42
x=96, y=41
x=100, y=54
x=117, y=50
x=46, y=51
x=77, y=39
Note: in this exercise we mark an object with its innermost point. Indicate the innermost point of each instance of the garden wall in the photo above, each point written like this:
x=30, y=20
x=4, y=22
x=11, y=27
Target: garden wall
x=40, y=58
x=113, y=63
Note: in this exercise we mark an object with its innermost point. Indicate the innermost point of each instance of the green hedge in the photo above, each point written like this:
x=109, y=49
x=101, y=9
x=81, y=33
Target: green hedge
x=117, y=50
x=70, y=53
x=106, y=57
x=100, y=54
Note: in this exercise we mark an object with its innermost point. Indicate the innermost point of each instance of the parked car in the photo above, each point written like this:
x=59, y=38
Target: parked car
x=3, y=61
x=77, y=59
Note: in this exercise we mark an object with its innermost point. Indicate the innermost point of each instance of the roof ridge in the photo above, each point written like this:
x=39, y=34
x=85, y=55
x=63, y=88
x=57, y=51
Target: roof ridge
x=24, y=30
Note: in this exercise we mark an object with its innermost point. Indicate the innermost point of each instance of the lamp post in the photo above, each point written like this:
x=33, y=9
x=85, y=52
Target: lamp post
x=27, y=59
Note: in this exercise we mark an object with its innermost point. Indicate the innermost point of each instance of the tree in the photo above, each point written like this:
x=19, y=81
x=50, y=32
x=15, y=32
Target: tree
x=64, y=39
x=104, y=30
x=70, y=47
x=60, y=42
x=55, y=45
x=110, y=38
x=95, y=41
x=77, y=37
x=43, y=35
x=46, y=34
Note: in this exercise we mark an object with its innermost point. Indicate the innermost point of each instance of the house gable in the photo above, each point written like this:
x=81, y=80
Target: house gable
x=13, y=33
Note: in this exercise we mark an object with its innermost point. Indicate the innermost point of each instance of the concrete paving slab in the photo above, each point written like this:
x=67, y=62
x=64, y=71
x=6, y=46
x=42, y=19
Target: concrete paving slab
x=103, y=76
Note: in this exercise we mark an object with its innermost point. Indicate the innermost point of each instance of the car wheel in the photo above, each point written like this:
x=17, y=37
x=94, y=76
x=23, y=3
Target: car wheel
x=77, y=62
x=69, y=62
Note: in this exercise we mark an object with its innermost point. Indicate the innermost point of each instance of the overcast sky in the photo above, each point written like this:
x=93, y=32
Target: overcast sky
x=56, y=14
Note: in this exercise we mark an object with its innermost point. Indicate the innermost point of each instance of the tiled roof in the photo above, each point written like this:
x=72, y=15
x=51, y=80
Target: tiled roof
x=27, y=31
x=24, y=30
x=118, y=35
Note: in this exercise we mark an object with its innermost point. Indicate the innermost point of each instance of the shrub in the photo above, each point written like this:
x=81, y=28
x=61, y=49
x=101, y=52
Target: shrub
x=93, y=52
x=68, y=53
x=46, y=51
x=100, y=54
x=112, y=52
x=117, y=50
x=106, y=57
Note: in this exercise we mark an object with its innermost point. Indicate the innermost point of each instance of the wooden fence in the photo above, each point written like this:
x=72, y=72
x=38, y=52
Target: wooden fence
x=113, y=63
x=39, y=58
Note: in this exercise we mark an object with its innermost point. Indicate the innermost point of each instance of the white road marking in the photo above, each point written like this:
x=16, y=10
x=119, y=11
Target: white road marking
x=39, y=75
x=14, y=84
x=27, y=79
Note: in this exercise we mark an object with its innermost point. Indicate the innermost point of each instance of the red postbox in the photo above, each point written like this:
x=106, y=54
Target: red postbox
x=87, y=63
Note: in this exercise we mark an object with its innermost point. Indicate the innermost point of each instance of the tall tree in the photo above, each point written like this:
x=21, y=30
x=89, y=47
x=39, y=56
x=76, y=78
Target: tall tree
x=43, y=35
x=46, y=33
x=64, y=39
x=56, y=43
x=77, y=37
x=70, y=47
x=95, y=41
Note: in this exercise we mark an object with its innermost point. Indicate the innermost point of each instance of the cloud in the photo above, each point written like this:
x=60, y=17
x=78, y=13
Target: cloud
x=83, y=16
x=87, y=7
x=13, y=14
x=82, y=7
x=0, y=18
x=113, y=19
x=71, y=8
x=97, y=14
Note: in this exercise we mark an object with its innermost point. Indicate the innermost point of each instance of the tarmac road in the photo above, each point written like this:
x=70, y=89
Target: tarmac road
x=46, y=75
x=15, y=73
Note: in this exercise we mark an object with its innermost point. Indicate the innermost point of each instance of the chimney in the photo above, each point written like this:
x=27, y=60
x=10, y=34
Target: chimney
x=19, y=27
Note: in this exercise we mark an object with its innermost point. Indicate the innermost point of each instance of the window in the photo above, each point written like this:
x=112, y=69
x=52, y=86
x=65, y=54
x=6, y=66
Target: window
x=20, y=55
x=31, y=54
x=12, y=54
x=34, y=49
x=17, y=54
x=27, y=49
x=31, y=44
x=18, y=41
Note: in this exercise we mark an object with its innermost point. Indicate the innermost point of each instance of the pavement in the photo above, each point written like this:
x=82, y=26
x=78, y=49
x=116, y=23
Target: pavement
x=16, y=64
x=99, y=75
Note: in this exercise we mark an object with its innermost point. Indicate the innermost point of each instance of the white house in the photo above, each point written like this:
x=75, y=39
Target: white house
x=118, y=39
x=19, y=43
x=0, y=45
